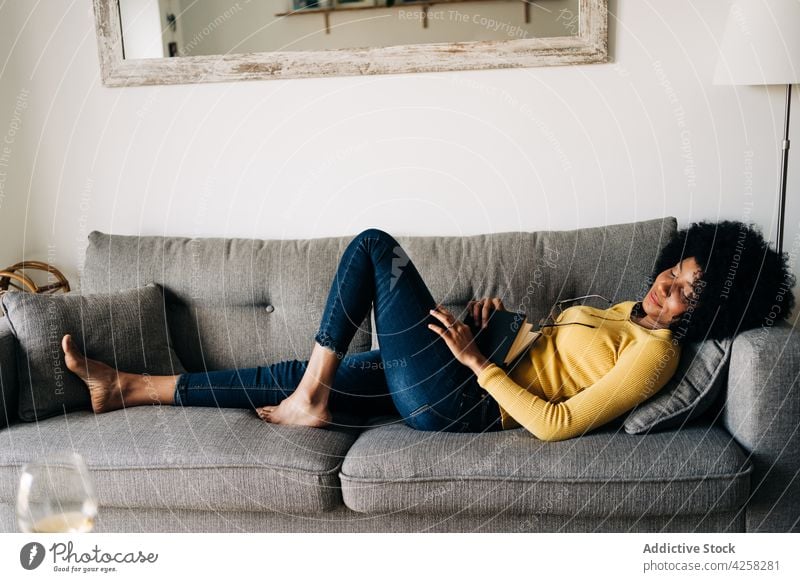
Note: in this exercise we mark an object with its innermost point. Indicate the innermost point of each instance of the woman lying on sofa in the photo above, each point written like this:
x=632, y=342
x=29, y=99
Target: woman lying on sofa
x=711, y=280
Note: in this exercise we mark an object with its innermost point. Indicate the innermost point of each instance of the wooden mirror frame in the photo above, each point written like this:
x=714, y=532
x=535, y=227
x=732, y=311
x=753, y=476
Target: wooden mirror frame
x=589, y=46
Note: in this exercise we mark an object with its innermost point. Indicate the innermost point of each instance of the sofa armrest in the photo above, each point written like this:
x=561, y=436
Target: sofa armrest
x=762, y=412
x=9, y=386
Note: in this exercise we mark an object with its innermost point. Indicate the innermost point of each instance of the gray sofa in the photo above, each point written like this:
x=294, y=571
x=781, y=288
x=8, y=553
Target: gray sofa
x=239, y=303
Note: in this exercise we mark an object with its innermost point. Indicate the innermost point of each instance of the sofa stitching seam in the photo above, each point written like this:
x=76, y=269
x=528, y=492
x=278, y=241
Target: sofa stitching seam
x=343, y=476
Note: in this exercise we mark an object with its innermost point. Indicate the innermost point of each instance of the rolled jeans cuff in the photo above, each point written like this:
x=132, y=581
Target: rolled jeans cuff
x=180, y=389
x=326, y=341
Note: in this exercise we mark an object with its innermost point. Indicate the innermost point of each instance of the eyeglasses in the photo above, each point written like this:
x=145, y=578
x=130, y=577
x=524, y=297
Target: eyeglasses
x=552, y=316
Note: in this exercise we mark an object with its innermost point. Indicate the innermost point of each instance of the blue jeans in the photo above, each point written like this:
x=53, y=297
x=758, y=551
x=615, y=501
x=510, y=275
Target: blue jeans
x=413, y=373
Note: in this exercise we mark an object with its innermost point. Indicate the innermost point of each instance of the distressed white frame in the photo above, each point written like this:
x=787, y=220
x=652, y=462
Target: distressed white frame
x=589, y=46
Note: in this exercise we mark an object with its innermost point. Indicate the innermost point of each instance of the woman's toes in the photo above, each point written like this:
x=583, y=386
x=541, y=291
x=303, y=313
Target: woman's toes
x=75, y=360
x=105, y=389
x=295, y=410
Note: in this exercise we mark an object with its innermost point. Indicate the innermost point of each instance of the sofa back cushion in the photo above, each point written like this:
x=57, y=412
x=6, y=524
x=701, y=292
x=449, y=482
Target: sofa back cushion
x=530, y=271
x=240, y=302
x=231, y=303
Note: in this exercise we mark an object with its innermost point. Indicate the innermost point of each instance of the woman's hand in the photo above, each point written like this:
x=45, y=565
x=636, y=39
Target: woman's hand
x=482, y=309
x=459, y=339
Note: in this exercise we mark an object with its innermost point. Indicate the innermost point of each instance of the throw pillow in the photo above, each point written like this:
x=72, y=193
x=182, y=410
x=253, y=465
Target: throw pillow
x=701, y=375
x=127, y=330
x=8, y=375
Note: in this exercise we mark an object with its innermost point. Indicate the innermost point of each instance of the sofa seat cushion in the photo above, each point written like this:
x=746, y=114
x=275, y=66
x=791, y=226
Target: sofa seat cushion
x=607, y=473
x=200, y=458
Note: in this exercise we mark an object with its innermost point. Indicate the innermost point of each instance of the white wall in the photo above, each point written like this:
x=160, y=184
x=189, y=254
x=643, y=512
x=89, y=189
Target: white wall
x=451, y=153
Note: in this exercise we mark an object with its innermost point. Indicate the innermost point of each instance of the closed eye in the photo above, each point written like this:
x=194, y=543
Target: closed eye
x=684, y=298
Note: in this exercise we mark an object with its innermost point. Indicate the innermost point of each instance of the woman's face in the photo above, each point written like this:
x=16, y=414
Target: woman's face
x=671, y=293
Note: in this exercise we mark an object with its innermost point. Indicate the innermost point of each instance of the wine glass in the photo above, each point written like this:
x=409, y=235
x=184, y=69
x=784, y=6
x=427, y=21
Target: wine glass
x=56, y=495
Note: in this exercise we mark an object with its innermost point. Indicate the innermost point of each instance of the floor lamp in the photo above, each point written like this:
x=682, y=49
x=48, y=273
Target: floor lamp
x=761, y=46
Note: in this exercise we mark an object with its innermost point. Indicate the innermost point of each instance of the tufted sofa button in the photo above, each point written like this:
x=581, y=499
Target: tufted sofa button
x=269, y=308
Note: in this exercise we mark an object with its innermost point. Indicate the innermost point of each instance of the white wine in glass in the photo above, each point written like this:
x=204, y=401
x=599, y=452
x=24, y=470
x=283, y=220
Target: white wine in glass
x=56, y=495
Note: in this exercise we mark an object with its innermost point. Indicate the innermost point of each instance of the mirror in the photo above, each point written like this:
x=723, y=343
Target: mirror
x=183, y=41
x=170, y=28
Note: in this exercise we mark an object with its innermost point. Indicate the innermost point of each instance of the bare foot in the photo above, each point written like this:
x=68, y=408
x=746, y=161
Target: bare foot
x=296, y=410
x=103, y=381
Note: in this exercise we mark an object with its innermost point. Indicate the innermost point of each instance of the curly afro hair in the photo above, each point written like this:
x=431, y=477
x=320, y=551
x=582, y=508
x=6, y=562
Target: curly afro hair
x=744, y=283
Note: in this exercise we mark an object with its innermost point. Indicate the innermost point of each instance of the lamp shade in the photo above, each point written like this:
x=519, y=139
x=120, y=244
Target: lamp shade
x=761, y=45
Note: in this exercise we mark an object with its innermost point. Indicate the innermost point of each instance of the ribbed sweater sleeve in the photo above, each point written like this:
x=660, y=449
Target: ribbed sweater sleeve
x=640, y=371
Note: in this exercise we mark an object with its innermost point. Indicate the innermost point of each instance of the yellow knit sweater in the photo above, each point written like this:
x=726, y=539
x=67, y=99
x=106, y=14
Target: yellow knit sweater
x=577, y=378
